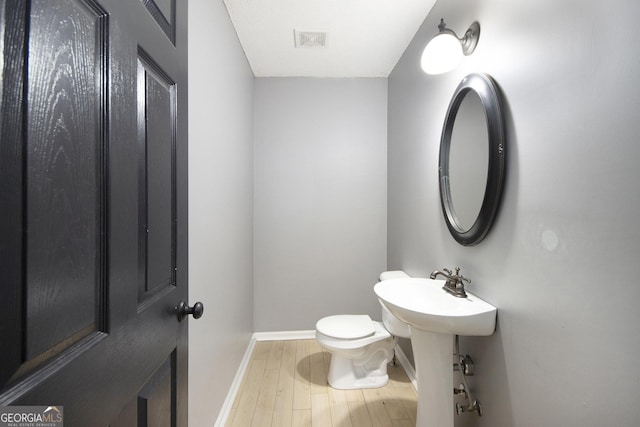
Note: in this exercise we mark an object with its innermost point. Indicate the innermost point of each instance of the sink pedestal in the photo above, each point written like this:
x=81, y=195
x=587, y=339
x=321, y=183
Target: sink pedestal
x=433, y=354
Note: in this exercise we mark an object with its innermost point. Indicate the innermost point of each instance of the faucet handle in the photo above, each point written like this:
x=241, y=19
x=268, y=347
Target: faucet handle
x=449, y=272
x=461, y=277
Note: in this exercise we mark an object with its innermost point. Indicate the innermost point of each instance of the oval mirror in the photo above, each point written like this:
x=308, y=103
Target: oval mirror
x=472, y=159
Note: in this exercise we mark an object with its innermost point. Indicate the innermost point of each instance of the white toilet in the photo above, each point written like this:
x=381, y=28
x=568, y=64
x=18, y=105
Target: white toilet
x=360, y=347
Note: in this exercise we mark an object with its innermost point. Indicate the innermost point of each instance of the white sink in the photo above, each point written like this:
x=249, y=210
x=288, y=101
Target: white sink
x=434, y=317
x=423, y=304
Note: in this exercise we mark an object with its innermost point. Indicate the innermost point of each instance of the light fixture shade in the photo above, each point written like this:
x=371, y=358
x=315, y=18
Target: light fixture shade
x=443, y=53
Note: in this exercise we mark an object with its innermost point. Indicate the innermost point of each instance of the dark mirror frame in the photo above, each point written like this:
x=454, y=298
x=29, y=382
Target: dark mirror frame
x=487, y=91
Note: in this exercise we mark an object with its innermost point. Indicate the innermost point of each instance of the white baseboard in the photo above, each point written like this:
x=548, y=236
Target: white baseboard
x=235, y=385
x=244, y=364
x=406, y=365
x=284, y=335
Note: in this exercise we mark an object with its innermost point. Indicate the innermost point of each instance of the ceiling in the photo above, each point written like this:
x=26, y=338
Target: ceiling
x=364, y=38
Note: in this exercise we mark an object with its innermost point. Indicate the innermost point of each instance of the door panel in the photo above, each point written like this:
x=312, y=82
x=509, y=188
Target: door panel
x=155, y=403
x=65, y=206
x=156, y=400
x=13, y=50
x=163, y=11
x=156, y=129
x=93, y=254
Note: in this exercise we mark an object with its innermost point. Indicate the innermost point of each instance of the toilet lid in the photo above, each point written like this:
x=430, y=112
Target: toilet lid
x=346, y=326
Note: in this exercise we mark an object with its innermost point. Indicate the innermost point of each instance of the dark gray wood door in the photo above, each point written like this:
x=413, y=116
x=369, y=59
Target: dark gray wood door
x=93, y=209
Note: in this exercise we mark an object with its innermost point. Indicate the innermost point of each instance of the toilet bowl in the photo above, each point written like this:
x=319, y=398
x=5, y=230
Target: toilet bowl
x=360, y=347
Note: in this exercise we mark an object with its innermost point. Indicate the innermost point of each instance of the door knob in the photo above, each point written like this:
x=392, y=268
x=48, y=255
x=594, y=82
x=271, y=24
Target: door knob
x=183, y=310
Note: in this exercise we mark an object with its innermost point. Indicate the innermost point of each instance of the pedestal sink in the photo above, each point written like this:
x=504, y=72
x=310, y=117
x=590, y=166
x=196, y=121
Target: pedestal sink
x=435, y=316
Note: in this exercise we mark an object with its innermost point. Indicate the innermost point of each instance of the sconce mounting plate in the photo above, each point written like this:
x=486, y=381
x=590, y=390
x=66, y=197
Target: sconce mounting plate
x=470, y=39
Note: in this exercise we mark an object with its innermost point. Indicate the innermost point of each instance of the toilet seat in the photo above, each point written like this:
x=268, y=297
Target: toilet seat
x=346, y=326
x=379, y=334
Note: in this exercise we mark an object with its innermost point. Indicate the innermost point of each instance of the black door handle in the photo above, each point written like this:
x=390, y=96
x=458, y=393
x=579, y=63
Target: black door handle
x=183, y=310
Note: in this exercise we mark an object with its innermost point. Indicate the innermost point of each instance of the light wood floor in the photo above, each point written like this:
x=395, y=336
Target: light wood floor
x=286, y=385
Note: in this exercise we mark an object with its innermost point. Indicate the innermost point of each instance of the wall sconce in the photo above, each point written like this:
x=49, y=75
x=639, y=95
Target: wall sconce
x=444, y=52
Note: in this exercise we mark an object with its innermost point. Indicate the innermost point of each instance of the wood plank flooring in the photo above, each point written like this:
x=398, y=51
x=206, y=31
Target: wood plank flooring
x=286, y=385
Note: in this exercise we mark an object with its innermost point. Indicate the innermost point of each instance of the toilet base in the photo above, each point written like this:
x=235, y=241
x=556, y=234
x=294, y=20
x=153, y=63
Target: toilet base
x=350, y=374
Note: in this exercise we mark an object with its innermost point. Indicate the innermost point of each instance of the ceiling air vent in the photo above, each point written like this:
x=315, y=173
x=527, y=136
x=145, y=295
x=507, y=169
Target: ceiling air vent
x=310, y=38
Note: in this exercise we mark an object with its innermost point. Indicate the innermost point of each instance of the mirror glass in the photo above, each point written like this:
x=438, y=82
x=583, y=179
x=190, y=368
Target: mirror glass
x=472, y=159
x=468, y=161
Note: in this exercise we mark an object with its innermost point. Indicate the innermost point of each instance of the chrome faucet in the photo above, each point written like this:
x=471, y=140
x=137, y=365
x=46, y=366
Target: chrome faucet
x=455, y=282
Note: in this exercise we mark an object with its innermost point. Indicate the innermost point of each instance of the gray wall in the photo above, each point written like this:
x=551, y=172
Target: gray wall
x=320, y=199
x=220, y=206
x=561, y=262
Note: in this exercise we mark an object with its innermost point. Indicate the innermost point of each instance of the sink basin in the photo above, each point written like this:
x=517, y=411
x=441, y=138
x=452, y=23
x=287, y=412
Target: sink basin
x=434, y=317
x=423, y=304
